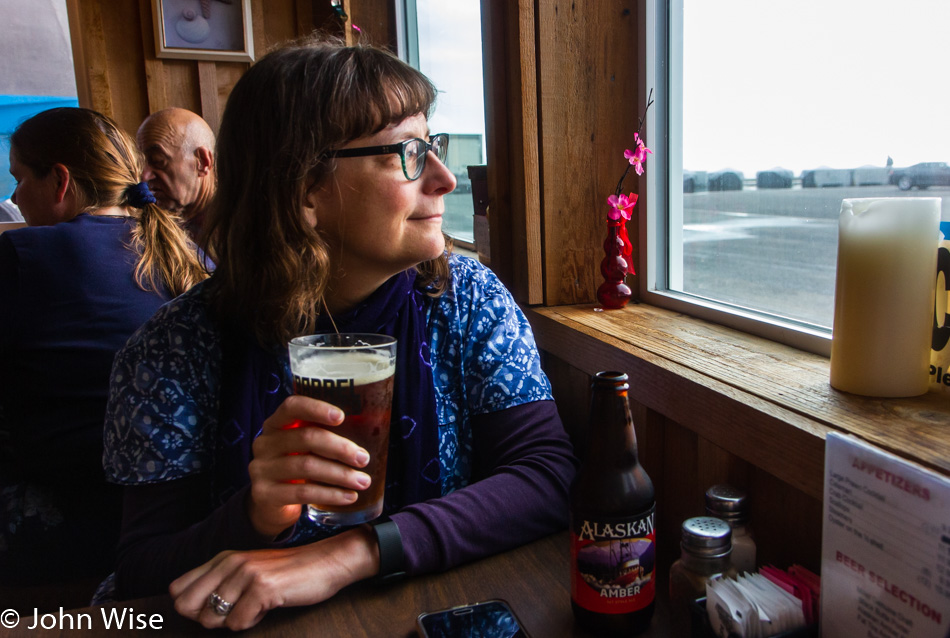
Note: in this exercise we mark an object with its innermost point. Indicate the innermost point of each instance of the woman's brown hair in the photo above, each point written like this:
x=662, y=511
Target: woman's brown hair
x=104, y=168
x=283, y=115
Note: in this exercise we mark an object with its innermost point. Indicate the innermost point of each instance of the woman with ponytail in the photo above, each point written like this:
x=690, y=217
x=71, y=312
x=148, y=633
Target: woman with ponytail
x=97, y=259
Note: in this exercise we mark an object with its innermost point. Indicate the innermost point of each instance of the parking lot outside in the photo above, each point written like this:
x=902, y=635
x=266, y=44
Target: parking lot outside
x=773, y=250
x=457, y=221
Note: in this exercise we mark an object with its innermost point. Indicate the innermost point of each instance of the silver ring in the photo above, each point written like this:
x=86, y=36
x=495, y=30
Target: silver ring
x=219, y=605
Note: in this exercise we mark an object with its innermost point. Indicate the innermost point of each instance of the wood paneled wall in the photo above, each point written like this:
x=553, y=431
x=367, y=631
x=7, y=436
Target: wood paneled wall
x=562, y=105
x=118, y=73
x=514, y=172
x=589, y=107
x=375, y=22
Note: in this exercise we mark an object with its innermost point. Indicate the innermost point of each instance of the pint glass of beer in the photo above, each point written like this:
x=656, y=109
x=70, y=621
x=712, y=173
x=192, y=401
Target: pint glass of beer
x=355, y=373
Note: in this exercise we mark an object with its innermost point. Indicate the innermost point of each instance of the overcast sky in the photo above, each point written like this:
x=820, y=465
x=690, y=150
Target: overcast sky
x=841, y=83
x=450, y=53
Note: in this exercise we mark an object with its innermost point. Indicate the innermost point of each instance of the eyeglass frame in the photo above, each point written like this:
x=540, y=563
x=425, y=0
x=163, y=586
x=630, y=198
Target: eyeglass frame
x=399, y=149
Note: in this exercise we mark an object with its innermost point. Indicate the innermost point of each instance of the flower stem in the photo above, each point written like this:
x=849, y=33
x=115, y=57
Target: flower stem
x=622, y=177
x=639, y=128
x=646, y=108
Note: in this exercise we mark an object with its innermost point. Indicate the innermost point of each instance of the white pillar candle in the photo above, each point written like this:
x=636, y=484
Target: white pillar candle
x=884, y=295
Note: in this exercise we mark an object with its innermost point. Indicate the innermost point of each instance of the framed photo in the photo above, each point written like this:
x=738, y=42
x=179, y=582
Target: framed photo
x=203, y=30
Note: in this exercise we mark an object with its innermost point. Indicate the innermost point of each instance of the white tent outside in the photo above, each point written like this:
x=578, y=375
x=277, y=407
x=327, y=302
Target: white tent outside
x=36, y=67
x=35, y=53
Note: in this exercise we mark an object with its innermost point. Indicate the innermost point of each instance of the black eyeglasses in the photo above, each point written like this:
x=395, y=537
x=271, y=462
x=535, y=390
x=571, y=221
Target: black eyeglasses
x=412, y=152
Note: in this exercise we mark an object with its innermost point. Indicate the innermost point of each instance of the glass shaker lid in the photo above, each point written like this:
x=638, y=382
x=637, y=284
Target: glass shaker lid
x=726, y=502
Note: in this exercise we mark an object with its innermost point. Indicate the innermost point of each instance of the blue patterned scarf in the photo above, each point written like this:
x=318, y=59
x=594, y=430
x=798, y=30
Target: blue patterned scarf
x=252, y=390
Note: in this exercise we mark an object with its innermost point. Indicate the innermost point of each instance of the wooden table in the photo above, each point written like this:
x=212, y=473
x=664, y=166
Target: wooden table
x=533, y=579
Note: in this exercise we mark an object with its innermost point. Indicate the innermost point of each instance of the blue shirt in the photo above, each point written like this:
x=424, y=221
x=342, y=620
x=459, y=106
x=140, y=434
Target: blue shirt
x=68, y=302
x=163, y=407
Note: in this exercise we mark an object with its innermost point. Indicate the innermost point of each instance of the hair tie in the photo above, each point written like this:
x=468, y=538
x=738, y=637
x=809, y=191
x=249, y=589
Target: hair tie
x=139, y=195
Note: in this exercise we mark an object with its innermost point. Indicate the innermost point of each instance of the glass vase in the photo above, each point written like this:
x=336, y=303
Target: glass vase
x=614, y=293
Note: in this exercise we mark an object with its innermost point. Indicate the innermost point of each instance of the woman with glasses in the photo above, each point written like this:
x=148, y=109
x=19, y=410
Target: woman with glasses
x=328, y=217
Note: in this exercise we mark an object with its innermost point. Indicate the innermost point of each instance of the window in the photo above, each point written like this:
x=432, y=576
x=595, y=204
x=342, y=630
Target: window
x=444, y=41
x=36, y=70
x=771, y=115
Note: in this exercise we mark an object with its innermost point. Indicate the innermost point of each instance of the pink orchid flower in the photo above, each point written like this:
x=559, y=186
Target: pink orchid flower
x=639, y=156
x=621, y=206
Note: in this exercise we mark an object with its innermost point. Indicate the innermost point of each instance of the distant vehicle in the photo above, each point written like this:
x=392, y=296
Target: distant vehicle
x=871, y=175
x=465, y=149
x=463, y=184
x=921, y=175
x=695, y=181
x=823, y=176
x=726, y=180
x=774, y=178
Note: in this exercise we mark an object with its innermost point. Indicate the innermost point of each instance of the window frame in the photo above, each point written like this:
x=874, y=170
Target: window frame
x=406, y=19
x=407, y=37
x=661, y=219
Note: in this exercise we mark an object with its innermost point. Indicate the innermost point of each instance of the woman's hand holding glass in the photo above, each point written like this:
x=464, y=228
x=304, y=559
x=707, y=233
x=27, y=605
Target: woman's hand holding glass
x=295, y=465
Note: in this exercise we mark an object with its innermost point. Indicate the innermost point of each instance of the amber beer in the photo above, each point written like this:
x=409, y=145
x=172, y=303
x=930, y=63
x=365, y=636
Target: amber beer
x=354, y=372
x=612, y=506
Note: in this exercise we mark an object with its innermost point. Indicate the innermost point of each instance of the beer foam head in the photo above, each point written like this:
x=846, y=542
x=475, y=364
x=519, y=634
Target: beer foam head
x=363, y=367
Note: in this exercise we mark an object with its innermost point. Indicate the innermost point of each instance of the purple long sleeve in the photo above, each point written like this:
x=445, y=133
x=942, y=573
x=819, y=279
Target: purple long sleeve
x=523, y=468
x=166, y=531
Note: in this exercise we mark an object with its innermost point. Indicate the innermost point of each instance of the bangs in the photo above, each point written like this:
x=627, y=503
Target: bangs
x=376, y=90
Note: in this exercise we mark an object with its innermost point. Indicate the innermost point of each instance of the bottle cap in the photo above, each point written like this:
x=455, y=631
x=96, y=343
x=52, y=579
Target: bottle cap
x=610, y=378
x=727, y=502
x=707, y=537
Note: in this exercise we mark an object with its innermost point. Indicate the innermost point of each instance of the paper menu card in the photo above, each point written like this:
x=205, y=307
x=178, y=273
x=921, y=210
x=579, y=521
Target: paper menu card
x=885, y=551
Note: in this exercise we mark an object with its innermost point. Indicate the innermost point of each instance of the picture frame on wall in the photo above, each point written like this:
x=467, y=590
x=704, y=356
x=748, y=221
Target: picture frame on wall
x=203, y=30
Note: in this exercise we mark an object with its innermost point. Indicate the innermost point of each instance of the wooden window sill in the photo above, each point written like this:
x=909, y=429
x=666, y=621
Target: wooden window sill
x=766, y=403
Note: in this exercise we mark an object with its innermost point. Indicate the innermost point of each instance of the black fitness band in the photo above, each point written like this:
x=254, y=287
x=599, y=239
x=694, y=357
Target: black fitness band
x=392, y=559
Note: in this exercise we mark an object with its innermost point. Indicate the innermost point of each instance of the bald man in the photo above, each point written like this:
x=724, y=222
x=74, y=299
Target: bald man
x=179, y=152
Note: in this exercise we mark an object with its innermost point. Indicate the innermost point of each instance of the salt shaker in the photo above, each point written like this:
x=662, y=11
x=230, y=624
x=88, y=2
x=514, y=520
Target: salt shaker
x=731, y=505
x=706, y=550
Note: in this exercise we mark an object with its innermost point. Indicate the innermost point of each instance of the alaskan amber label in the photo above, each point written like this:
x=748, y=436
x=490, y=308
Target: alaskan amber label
x=613, y=563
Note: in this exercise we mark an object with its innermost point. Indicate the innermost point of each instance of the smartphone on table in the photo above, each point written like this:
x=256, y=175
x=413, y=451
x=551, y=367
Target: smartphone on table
x=488, y=619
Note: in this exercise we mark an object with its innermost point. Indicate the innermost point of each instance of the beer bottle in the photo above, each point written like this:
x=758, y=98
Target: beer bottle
x=612, y=503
